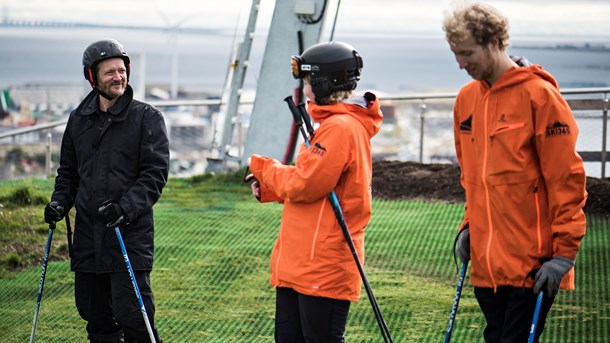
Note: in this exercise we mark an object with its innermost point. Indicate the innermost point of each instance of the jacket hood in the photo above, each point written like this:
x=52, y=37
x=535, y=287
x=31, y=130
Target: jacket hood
x=517, y=75
x=365, y=109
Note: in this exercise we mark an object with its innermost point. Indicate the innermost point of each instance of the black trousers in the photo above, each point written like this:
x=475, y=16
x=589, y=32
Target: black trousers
x=509, y=313
x=109, y=305
x=302, y=318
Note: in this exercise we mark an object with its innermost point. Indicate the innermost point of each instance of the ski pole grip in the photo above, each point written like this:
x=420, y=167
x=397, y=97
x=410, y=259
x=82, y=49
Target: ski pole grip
x=306, y=118
x=294, y=111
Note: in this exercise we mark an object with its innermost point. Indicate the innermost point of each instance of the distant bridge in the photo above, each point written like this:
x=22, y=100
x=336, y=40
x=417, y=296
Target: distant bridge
x=35, y=23
x=6, y=21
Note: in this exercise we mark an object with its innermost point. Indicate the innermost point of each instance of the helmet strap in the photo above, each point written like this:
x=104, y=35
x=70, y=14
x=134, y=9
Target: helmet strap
x=98, y=91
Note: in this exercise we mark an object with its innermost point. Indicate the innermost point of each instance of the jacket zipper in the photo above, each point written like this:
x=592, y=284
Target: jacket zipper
x=538, y=228
x=485, y=187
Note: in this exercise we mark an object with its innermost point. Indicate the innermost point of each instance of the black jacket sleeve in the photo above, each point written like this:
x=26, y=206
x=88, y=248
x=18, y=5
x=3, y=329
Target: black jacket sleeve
x=153, y=165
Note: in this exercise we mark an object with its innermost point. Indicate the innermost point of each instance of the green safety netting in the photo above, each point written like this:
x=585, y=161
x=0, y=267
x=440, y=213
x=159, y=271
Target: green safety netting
x=211, y=277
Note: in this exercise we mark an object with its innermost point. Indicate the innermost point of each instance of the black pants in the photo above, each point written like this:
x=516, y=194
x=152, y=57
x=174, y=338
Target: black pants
x=509, y=313
x=303, y=318
x=109, y=305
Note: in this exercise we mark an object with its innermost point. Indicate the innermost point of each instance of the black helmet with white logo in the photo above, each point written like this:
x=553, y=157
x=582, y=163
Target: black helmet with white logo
x=332, y=66
x=99, y=51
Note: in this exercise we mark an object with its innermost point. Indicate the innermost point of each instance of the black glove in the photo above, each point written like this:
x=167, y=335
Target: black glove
x=53, y=212
x=550, y=274
x=464, y=245
x=112, y=213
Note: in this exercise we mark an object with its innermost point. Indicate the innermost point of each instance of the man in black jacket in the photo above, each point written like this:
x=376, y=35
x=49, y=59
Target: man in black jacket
x=113, y=166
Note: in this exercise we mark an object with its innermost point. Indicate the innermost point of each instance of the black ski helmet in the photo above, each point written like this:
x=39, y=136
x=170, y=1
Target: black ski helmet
x=99, y=51
x=332, y=66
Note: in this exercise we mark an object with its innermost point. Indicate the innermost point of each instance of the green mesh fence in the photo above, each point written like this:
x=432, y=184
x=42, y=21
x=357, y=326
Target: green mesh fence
x=211, y=277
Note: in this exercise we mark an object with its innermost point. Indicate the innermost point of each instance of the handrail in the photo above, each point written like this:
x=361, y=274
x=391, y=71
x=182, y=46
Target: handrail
x=156, y=103
x=397, y=97
x=218, y=102
x=420, y=96
x=449, y=95
x=193, y=102
x=588, y=90
x=33, y=128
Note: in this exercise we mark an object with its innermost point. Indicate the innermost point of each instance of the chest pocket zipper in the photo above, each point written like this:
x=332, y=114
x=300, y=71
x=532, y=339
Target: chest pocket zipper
x=507, y=127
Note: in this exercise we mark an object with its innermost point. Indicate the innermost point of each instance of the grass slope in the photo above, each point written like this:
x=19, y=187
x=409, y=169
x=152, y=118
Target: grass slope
x=213, y=242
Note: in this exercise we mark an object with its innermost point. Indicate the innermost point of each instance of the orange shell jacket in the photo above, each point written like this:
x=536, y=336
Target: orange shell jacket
x=311, y=254
x=524, y=181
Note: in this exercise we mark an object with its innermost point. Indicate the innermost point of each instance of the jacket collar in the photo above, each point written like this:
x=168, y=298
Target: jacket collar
x=518, y=75
x=90, y=105
x=365, y=109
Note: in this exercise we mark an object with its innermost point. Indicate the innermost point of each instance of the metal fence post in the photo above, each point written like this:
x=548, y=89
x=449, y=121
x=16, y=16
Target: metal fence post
x=48, y=155
x=422, y=115
x=604, y=134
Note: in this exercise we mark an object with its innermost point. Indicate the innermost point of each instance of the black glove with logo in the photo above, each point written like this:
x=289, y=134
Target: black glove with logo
x=112, y=213
x=463, y=245
x=53, y=212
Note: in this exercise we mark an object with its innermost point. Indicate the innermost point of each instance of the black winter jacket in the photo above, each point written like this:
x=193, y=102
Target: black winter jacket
x=121, y=155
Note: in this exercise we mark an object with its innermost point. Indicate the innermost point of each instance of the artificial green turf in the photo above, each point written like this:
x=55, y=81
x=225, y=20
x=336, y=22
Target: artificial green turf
x=213, y=242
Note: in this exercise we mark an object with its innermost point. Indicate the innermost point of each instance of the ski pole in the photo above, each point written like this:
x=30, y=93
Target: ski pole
x=306, y=119
x=535, y=319
x=45, y=262
x=456, y=302
x=298, y=118
x=134, y=283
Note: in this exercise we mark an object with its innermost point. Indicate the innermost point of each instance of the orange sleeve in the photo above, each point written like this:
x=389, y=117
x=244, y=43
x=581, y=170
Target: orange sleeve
x=563, y=170
x=317, y=168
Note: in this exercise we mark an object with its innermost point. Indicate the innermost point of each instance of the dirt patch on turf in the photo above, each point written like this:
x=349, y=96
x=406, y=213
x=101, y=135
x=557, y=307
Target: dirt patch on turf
x=441, y=182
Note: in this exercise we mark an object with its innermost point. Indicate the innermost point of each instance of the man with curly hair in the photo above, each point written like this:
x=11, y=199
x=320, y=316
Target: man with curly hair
x=515, y=140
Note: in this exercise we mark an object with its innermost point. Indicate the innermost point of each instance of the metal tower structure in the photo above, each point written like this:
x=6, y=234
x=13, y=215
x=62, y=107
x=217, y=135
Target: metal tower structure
x=295, y=25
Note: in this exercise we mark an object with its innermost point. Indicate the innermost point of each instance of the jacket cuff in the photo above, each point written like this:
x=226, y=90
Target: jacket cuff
x=256, y=165
x=126, y=213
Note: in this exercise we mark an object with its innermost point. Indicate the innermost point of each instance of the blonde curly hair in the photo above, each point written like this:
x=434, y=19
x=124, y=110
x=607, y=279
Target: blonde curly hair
x=337, y=97
x=334, y=97
x=480, y=21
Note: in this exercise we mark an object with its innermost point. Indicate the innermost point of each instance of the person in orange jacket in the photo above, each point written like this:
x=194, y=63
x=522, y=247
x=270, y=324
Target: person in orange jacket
x=515, y=140
x=312, y=268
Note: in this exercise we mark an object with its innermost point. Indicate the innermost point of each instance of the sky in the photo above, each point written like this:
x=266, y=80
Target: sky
x=407, y=27
x=539, y=17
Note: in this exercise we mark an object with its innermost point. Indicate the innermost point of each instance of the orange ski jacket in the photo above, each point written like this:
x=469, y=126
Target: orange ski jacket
x=310, y=254
x=524, y=181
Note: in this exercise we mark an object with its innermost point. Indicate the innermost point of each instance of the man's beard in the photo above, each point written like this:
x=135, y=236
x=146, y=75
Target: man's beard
x=485, y=71
x=108, y=89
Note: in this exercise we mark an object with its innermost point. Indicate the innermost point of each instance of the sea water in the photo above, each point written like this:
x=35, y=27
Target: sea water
x=394, y=63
